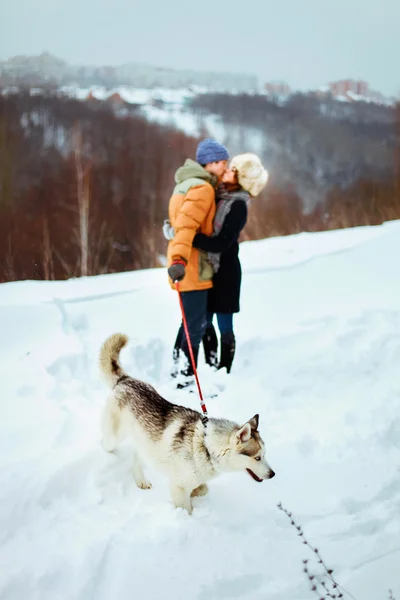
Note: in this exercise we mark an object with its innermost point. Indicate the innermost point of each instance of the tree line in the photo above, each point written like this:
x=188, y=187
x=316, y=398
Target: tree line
x=84, y=191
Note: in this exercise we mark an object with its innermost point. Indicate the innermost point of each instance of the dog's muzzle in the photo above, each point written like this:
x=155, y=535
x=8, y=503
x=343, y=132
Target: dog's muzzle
x=271, y=474
x=254, y=476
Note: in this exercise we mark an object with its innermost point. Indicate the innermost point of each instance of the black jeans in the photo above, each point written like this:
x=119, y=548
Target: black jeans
x=195, y=306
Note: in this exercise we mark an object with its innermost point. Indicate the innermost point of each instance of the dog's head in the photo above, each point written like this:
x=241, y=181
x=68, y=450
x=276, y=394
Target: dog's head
x=248, y=452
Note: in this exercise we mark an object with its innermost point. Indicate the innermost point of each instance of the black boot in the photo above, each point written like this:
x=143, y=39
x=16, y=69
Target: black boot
x=228, y=345
x=187, y=369
x=176, y=352
x=186, y=375
x=210, y=345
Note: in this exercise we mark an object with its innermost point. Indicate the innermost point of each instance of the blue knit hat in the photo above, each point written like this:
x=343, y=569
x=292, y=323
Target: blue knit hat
x=209, y=151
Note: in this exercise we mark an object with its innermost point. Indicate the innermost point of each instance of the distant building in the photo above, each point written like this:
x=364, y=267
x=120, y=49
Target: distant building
x=344, y=86
x=47, y=67
x=115, y=99
x=277, y=88
x=91, y=98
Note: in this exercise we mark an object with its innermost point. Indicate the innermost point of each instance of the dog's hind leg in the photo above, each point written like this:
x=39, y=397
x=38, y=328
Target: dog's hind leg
x=111, y=425
x=202, y=490
x=181, y=497
x=138, y=474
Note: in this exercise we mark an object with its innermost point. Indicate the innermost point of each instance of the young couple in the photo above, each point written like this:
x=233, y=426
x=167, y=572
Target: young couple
x=207, y=212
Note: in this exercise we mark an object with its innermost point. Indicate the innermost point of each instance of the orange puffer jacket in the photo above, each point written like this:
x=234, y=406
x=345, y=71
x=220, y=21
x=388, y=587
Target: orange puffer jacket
x=191, y=211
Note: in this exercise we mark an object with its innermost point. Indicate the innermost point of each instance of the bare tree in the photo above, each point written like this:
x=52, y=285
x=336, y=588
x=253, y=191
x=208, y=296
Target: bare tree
x=47, y=259
x=83, y=196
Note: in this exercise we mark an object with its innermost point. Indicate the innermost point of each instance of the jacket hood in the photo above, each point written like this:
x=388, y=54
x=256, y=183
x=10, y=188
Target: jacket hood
x=192, y=169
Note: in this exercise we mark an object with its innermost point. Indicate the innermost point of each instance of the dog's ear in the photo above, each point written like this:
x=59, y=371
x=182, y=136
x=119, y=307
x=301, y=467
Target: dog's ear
x=254, y=422
x=244, y=433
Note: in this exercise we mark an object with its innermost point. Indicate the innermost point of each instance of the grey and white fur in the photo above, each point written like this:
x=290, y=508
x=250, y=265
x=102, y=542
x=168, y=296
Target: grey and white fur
x=173, y=438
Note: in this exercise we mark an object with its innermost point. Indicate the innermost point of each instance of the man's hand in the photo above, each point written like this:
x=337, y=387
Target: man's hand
x=177, y=271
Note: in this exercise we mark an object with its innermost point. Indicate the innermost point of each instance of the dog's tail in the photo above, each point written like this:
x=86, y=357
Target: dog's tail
x=109, y=357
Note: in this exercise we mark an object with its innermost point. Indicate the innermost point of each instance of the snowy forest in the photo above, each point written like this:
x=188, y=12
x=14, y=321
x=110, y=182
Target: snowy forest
x=84, y=189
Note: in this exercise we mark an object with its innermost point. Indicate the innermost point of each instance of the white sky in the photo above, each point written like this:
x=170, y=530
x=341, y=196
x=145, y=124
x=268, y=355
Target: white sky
x=307, y=43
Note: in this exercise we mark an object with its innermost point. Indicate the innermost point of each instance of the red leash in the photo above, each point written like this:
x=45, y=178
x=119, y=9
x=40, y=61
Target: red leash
x=189, y=343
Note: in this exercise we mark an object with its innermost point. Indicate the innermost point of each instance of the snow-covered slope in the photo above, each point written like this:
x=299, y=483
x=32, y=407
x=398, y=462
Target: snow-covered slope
x=318, y=357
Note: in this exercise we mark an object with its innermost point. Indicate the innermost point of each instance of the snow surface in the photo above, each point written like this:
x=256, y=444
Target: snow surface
x=318, y=358
x=131, y=94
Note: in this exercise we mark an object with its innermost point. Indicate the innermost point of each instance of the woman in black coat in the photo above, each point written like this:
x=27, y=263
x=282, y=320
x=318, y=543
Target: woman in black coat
x=244, y=179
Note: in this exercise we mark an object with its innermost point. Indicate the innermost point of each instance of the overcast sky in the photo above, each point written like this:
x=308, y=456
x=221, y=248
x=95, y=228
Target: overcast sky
x=304, y=42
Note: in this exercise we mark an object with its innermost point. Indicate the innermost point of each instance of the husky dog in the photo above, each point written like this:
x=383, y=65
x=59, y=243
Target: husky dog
x=173, y=438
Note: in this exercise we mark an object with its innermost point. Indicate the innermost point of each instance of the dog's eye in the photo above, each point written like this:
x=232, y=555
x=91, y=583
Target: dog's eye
x=258, y=458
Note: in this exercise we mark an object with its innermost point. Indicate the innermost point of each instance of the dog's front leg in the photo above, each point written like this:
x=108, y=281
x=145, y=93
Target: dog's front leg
x=138, y=474
x=181, y=497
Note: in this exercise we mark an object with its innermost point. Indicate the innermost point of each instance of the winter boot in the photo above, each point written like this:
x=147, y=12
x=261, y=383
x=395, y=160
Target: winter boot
x=187, y=369
x=228, y=345
x=177, y=352
x=186, y=375
x=210, y=345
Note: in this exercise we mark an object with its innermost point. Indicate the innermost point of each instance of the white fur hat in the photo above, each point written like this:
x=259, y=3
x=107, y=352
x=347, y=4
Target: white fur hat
x=251, y=174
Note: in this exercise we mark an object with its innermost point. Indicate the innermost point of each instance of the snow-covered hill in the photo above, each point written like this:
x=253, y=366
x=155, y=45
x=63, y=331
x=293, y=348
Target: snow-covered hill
x=318, y=357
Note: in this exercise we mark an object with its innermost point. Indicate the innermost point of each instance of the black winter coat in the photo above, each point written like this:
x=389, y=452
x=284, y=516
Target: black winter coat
x=224, y=297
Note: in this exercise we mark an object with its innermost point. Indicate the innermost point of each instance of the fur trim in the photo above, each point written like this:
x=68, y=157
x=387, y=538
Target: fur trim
x=251, y=174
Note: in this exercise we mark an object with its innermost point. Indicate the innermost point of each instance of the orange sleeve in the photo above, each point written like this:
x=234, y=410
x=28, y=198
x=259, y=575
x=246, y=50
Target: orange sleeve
x=198, y=202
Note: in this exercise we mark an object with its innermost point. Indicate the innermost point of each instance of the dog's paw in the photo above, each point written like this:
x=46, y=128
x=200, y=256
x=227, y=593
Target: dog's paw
x=108, y=444
x=188, y=508
x=144, y=485
x=202, y=490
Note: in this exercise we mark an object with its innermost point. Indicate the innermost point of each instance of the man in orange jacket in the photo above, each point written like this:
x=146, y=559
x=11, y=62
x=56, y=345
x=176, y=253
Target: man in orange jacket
x=191, y=211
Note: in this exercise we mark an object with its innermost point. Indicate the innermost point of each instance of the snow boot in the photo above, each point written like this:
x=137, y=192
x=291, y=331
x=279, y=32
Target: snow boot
x=228, y=346
x=176, y=353
x=186, y=373
x=210, y=345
